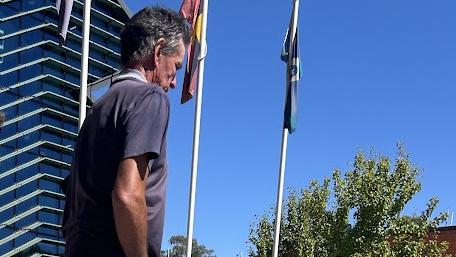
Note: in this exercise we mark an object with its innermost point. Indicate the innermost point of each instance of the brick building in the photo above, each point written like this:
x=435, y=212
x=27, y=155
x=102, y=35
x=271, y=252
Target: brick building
x=448, y=234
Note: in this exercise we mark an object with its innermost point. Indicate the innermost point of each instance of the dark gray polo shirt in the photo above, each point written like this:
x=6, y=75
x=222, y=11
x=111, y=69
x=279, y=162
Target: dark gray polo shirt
x=131, y=119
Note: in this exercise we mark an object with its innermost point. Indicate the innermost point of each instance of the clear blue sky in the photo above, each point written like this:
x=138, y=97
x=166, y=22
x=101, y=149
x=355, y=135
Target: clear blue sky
x=374, y=73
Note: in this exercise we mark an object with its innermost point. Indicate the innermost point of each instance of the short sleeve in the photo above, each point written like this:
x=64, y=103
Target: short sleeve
x=145, y=125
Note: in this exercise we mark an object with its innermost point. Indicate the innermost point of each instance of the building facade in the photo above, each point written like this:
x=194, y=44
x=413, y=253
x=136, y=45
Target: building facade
x=447, y=234
x=39, y=94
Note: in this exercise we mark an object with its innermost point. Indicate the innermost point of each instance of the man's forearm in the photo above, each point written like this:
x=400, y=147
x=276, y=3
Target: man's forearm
x=130, y=215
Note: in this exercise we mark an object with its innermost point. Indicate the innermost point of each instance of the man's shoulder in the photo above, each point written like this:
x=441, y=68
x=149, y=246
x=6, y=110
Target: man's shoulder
x=132, y=91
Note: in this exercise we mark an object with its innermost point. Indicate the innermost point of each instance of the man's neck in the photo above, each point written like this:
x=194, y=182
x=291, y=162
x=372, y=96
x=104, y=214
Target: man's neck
x=149, y=75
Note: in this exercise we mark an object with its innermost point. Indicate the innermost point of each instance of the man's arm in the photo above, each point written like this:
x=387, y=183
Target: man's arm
x=129, y=205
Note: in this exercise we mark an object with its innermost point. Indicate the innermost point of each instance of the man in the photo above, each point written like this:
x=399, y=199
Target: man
x=116, y=187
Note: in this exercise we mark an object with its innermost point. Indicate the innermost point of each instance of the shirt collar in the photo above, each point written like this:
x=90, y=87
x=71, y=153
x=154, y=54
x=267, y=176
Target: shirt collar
x=132, y=73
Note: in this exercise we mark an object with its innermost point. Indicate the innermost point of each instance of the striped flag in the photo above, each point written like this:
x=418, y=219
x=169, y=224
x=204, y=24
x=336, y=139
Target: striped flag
x=191, y=11
x=64, y=10
x=291, y=57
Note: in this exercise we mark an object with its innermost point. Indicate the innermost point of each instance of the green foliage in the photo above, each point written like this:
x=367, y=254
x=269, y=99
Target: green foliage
x=179, y=246
x=359, y=216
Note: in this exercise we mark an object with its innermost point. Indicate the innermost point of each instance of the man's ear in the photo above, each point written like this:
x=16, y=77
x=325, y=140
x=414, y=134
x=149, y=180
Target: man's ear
x=157, y=50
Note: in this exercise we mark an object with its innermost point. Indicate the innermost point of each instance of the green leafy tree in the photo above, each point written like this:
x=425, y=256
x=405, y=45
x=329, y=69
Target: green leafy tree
x=358, y=216
x=179, y=246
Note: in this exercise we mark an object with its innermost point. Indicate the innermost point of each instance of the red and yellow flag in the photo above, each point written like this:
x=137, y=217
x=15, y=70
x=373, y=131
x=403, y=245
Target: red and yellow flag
x=191, y=11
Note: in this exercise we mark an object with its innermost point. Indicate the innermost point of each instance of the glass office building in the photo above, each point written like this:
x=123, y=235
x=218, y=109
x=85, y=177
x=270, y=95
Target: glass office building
x=39, y=93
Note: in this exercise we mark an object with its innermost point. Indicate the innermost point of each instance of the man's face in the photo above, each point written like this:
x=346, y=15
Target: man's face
x=167, y=66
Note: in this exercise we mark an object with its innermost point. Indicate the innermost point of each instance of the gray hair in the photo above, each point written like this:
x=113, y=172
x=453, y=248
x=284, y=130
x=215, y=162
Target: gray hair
x=2, y=118
x=140, y=34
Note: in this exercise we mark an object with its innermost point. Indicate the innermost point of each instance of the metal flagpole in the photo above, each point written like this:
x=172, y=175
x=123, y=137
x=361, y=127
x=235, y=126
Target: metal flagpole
x=84, y=63
x=283, y=156
x=196, y=130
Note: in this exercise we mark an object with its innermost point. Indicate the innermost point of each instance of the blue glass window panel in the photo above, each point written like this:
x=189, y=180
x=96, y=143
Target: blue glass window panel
x=49, y=185
x=50, y=137
x=51, y=103
x=9, y=79
x=6, y=214
x=10, y=26
x=53, y=88
x=98, y=39
x=63, y=174
x=51, y=121
x=7, y=165
x=7, y=10
x=8, y=197
x=52, y=36
x=74, y=61
x=73, y=78
x=49, y=153
x=27, y=188
x=4, y=151
x=48, y=169
x=30, y=88
x=97, y=22
x=26, y=205
x=29, y=21
x=115, y=46
x=10, y=43
x=48, y=233
x=4, y=248
x=31, y=4
x=10, y=61
x=11, y=143
x=97, y=55
x=10, y=109
x=68, y=155
x=6, y=231
x=96, y=71
x=25, y=238
x=76, y=46
x=102, y=7
x=31, y=37
x=71, y=110
x=28, y=123
x=26, y=157
x=27, y=173
x=28, y=139
x=53, y=54
x=31, y=55
x=72, y=127
x=49, y=217
x=48, y=248
x=78, y=12
x=48, y=201
x=52, y=71
x=28, y=106
x=115, y=29
x=7, y=97
x=52, y=18
x=29, y=219
x=30, y=72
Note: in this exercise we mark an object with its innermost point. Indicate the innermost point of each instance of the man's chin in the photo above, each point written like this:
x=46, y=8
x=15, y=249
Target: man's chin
x=165, y=88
